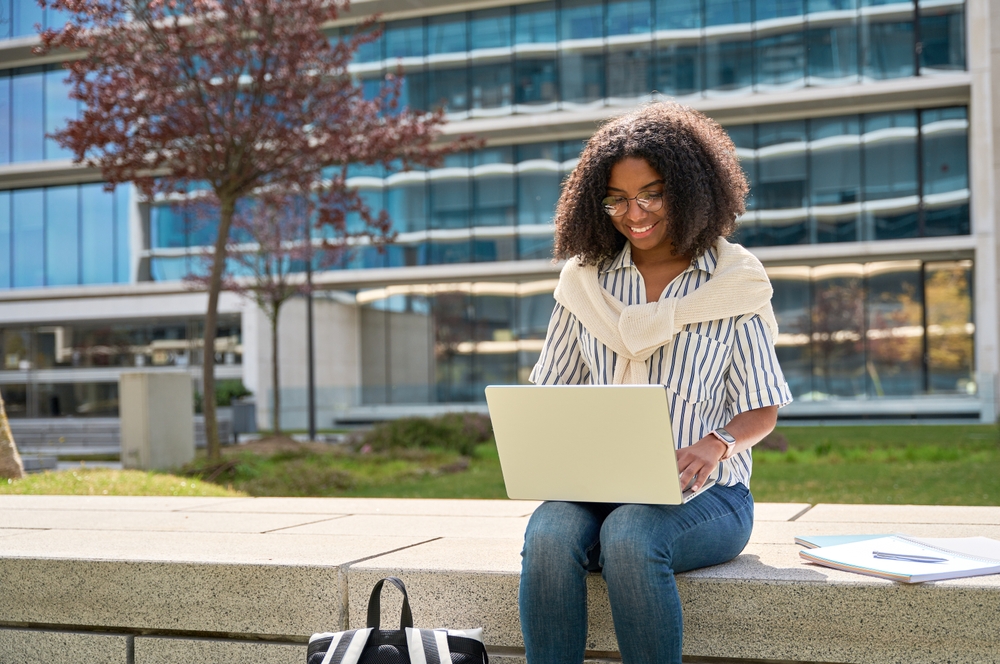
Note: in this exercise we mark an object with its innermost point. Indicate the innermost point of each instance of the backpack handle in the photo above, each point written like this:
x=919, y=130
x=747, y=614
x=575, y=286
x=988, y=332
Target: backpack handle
x=375, y=609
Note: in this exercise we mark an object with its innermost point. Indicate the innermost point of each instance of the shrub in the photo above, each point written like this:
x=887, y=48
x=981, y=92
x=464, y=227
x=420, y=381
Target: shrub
x=459, y=432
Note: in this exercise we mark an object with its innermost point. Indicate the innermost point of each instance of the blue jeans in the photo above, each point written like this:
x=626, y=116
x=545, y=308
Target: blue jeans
x=638, y=549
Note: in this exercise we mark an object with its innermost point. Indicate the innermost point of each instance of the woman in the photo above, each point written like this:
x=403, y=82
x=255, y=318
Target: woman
x=653, y=293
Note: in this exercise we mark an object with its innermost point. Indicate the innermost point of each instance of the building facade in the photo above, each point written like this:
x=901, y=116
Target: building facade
x=866, y=129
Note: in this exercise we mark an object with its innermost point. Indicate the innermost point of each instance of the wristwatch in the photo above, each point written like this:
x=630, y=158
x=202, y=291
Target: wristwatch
x=728, y=439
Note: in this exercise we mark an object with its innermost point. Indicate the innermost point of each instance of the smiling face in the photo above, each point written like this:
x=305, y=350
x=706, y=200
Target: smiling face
x=646, y=231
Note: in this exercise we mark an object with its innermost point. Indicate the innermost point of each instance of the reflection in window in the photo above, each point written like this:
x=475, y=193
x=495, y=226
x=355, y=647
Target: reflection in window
x=492, y=87
x=6, y=259
x=581, y=76
x=28, y=115
x=895, y=329
x=726, y=12
x=628, y=17
x=832, y=54
x=535, y=23
x=945, y=171
x=62, y=248
x=28, y=235
x=792, y=308
x=446, y=34
x=835, y=177
x=888, y=49
x=838, y=331
x=490, y=28
x=404, y=39
x=950, y=327
x=780, y=61
x=629, y=74
x=728, y=65
x=678, y=15
x=942, y=39
x=448, y=88
x=678, y=69
x=448, y=345
x=581, y=19
x=535, y=82
x=782, y=178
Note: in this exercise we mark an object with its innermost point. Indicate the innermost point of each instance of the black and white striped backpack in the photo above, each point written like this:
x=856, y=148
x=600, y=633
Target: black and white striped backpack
x=406, y=645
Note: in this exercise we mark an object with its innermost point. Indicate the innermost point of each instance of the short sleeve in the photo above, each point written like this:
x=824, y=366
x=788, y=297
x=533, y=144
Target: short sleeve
x=561, y=362
x=755, y=379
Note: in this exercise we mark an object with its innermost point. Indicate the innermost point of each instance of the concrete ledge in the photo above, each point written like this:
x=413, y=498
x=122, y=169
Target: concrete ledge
x=149, y=580
x=27, y=646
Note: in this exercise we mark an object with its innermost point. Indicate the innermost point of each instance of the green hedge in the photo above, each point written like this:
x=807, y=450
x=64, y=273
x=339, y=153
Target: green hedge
x=459, y=432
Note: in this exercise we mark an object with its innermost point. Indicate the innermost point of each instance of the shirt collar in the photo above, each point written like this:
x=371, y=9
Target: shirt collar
x=706, y=262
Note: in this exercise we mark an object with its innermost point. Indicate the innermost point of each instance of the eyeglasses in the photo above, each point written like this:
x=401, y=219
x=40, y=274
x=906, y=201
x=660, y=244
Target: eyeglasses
x=616, y=206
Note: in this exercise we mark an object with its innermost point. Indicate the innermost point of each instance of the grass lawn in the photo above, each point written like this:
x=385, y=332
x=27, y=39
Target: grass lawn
x=920, y=464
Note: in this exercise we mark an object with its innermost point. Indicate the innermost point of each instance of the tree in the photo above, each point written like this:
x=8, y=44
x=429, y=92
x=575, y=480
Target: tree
x=235, y=94
x=271, y=242
x=10, y=461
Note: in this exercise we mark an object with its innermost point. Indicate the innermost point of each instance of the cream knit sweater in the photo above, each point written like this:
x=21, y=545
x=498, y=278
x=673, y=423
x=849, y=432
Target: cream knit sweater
x=738, y=286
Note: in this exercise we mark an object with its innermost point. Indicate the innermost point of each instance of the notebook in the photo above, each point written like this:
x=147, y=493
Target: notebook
x=587, y=443
x=816, y=541
x=912, y=559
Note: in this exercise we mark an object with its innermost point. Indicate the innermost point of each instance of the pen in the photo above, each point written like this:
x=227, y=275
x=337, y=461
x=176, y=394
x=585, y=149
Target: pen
x=907, y=557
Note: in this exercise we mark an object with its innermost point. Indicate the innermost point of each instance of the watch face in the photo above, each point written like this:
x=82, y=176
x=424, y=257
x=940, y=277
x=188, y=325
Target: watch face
x=725, y=435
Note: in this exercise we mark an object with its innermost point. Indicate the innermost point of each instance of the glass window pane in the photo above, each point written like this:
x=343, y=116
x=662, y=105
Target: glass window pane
x=890, y=174
x=832, y=53
x=495, y=188
x=581, y=19
x=792, y=309
x=765, y=9
x=835, y=177
x=168, y=227
x=678, y=69
x=451, y=200
x=535, y=83
x=449, y=88
x=28, y=224
x=780, y=61
x=534, y=246
x=24, y=17
x=6, y=121
x=895, y=329
x=492, y=86
x=404, y=39
x=97, y=234
x=28, y=129
x=581, y=76
x=62, y=236
x=781, y=184
x=406, y=202
x=942, y=39
x=728, y=65
x=628, y=17
x=678, y=15
x=727, y=12
x=5, y=23
x=123, y=247
x=490, y=28
x=629, y=74
x=888, y=49
x=535, y=23
x=950, y=326
x=59, y=108
x=539, y=176
x=446, y=34
x=413, y=92
x=6, y=260
x=370, y=51
x=838, y=341
x=945, y=150
x=816, y=6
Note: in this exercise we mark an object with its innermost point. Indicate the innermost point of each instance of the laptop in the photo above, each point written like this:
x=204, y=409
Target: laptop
x=587, y=443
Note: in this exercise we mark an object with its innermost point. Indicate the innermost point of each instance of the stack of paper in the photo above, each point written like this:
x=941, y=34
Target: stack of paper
x=904, y=558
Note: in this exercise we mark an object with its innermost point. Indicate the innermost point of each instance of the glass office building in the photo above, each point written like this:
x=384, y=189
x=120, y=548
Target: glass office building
x=862, y=125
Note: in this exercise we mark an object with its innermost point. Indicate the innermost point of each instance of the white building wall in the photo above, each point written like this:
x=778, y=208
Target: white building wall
x=983, y=24
x=337, y=361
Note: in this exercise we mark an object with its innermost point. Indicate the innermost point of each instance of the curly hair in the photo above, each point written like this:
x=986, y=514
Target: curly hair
x=704, y=187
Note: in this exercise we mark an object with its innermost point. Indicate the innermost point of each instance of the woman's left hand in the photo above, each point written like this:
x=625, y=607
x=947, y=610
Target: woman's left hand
x=698, y=461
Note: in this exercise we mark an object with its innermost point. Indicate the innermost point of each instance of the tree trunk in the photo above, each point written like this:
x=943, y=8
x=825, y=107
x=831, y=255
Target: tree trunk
x=226, y=207
x=10, y=461
x=275, y=380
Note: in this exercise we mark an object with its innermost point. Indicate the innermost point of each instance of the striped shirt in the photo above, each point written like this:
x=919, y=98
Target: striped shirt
x=713, y=371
